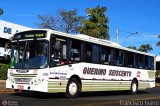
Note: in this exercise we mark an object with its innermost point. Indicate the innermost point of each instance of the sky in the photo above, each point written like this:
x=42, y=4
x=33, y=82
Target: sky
x=128, y=16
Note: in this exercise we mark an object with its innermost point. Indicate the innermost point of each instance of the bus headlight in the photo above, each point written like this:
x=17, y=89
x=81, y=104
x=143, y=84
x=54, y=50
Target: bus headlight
x=11, y=79
x=37, y=81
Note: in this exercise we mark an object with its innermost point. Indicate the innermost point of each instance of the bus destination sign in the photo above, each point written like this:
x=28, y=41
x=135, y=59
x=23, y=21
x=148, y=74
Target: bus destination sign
x=29, y=35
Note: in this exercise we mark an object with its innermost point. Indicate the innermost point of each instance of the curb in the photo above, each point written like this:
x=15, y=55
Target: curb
x=2, y=81
x=6, y=91
x=157, y=84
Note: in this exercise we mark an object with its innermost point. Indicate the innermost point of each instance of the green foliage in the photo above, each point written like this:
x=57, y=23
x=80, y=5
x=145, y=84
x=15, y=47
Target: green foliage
x=132, y=47
x=143, y=48
x=97, y=24
x=70, y=21
x=65, y=21
x=158, y=73
x=3, y=71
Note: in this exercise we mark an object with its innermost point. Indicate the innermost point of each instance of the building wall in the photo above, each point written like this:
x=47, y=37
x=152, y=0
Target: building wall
x=7, y=29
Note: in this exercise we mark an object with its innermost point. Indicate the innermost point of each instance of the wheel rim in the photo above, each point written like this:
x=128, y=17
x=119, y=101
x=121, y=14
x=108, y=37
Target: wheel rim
x=72, y=88
x=134, y=87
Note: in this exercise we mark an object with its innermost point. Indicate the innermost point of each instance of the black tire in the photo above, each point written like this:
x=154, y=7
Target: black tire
x=134, y=87
x=73, y=85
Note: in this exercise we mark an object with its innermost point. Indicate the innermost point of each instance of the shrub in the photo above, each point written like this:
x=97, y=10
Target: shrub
x=3, y=71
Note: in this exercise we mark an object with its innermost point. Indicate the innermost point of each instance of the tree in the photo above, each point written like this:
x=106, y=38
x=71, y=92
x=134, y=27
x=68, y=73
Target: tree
x=97, y=23
x=143, y=48
x=132, y=47
x=70, y=21
x=47, y=21
x=1, y=11
x=65, y=21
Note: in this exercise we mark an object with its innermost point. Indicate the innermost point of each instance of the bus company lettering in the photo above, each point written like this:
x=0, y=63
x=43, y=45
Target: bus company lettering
x=94, y=71
x=120, y=73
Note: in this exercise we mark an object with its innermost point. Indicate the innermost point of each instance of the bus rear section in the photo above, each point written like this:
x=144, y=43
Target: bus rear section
x=158, y=69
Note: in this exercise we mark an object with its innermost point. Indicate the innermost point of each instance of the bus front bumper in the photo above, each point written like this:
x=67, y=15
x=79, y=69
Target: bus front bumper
x=43, y=87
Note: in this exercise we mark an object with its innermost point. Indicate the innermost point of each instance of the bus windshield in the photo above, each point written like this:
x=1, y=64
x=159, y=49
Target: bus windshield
x=29, y=54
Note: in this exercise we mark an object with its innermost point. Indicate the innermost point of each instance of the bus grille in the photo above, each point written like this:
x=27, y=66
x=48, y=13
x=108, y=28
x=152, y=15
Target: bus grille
x=22, y=80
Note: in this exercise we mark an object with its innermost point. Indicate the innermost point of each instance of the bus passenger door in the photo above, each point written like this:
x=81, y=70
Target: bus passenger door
x=58, y=60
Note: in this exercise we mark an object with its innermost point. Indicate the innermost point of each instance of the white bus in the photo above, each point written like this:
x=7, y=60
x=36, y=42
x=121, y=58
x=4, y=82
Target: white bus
x=51, y=61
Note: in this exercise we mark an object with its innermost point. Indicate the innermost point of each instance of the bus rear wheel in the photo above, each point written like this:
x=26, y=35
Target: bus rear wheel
x=73, y=88
x=134, y=87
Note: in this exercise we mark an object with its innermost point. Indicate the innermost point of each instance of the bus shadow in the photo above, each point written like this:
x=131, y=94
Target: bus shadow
x=109, y=93
x=38, y=95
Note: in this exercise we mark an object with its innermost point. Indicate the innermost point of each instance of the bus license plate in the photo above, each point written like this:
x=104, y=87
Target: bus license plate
x=20, y=87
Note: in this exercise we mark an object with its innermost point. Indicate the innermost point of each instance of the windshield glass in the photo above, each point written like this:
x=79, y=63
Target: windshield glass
x=29, y=54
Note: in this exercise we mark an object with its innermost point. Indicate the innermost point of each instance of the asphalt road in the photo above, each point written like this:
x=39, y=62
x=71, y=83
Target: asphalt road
x=149, y=97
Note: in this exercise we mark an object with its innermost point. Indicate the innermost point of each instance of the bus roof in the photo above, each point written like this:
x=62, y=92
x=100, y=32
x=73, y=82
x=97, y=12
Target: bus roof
x=93, y=40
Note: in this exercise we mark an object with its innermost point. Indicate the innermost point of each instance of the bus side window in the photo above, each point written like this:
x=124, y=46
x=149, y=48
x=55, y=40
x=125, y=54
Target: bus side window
x=135, y=62
x=152, y=63
x=149, y=62
x=88, y=52
x=58, y=51
x=75, y=52
x=129, y=57
x=141, y=61
x=95, y=54
x=106, y=55
x=119, y=57
x=146, y=62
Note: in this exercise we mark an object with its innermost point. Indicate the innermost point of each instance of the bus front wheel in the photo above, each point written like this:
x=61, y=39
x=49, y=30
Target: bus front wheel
x=134, y=87
x=73, y=88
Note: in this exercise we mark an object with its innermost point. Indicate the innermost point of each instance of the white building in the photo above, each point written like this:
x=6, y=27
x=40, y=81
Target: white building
x=7, y=29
